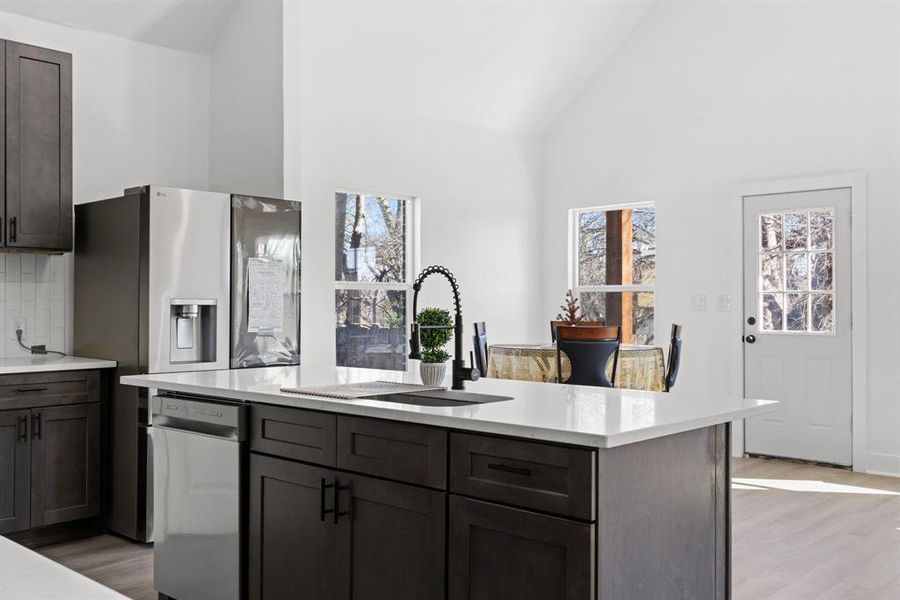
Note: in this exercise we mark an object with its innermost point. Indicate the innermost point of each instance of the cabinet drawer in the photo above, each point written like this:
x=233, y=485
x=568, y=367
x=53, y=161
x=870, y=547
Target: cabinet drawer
x=533, y=475
x=399, y=451
x=293, y=433
x=48, y=389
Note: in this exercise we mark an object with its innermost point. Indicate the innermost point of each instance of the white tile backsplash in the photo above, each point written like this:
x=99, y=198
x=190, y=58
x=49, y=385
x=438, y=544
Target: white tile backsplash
x=34, y=287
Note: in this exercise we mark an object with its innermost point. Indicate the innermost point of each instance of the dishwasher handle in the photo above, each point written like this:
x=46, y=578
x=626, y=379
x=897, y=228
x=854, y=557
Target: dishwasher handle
x=217, y=419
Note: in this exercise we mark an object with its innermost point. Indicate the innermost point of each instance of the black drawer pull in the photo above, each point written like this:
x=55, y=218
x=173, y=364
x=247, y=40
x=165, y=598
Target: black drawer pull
x=322, y=510
x=12, y=229
x=510, y=469
x=32, y=389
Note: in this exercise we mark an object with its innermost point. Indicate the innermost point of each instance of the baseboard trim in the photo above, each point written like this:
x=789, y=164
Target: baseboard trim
x=881, y=463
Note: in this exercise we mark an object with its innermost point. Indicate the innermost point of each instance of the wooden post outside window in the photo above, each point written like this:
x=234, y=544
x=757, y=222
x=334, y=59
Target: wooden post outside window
x=619, y=235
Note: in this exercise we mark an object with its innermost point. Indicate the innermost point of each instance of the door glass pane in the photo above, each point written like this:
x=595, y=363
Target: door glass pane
x=797, y=270
x=795, y=231
x=771, y=234
x=821, y=229
x=772, y=272
x=797, y=312
x=822, y=312
x=796, y=257
x=822, y=271
x=772, y=308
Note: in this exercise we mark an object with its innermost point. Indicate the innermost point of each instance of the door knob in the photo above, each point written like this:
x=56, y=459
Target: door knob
x=750, y=339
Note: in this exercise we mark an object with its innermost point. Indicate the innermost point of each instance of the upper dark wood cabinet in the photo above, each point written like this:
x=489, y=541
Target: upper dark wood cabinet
x=36, y=198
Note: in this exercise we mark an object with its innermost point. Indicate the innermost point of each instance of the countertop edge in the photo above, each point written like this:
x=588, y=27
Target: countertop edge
x=390, y=412
x=82, y=364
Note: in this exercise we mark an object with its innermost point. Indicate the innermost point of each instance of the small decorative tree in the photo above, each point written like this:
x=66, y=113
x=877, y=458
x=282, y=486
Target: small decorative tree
x=434, y=340
x=570, y=315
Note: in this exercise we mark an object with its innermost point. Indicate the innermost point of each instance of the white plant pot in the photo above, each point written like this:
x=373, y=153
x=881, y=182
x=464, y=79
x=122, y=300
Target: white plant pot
x=432, y=373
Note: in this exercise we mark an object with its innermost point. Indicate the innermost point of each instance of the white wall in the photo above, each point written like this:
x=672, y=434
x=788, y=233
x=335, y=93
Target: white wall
x=245, y=102
x=477, y=187
x=140, y=115
x=706, y=95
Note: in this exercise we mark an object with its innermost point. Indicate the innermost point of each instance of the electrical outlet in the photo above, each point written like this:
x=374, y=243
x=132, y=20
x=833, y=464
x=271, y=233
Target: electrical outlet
x=17, y=322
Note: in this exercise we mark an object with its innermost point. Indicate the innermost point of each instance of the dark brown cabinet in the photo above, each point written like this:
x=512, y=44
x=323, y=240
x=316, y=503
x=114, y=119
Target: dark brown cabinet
x=15, y=470
x=502, y=552
x=50, y=449
x=65, y=463
x=373, y=518
x=36, y=172
x=322, y=534
x=390, y=540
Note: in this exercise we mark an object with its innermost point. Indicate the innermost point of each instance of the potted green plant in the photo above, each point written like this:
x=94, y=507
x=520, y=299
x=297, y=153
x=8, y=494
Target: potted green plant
x=433, y=367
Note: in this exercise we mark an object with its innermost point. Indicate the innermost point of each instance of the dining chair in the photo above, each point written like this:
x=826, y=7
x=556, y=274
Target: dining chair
x=480, y=345
x=589, y=349
x=674, y=357
x=555, y=324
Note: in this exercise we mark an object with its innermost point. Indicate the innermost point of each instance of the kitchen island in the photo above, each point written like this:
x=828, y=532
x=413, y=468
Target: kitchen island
x=556, y=492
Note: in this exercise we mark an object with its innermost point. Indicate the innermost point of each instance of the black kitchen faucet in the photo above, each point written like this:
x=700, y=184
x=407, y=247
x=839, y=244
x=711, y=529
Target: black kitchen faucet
x=461, y=373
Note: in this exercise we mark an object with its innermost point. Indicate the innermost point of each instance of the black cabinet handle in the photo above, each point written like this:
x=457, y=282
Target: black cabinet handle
x=32, y=389
x=337, y=500
x=510, y=469
x=12, y=229
x=750, y=339
x=322, y=510
x=36, y=426
x=23, y=428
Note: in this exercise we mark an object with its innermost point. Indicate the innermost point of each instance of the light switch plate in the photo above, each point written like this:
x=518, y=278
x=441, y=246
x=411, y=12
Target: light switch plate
x=724, y=303
x=698, y=303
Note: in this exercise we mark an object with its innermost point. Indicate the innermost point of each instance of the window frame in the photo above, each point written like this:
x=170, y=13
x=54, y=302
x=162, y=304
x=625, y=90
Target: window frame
x=412, y=254
x=809, y=292
x=573, y=257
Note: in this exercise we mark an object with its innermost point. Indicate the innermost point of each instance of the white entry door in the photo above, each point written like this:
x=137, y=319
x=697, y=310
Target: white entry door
x=797, y=326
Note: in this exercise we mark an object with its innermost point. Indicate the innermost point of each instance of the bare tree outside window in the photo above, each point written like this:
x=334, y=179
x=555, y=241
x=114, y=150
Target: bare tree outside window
x=616, y=268
x=371, y=280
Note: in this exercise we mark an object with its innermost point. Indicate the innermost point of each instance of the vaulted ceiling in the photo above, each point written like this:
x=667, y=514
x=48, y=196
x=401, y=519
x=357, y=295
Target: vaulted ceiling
x=188, y=25
x=513, y=66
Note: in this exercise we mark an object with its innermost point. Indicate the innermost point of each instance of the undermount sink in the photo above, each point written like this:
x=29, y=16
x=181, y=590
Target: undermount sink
x=441, y=398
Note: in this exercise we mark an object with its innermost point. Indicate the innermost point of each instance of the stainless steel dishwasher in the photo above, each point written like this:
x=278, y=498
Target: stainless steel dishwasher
x=198, y=458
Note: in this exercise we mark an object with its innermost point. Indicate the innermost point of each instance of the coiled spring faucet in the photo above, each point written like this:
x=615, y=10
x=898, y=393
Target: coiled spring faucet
x=461, y=373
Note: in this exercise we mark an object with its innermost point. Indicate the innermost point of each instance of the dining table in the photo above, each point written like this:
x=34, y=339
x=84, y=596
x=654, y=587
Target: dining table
x=638, y=368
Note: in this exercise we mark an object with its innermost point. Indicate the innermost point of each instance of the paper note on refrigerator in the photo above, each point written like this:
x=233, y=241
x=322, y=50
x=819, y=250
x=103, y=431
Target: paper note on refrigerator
x=265, y=295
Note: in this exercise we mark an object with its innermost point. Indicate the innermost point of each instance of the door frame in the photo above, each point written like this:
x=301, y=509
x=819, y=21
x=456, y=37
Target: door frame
x=857, y=182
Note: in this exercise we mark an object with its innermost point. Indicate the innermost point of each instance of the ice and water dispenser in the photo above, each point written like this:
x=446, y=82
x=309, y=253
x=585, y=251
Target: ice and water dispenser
x=192, y=330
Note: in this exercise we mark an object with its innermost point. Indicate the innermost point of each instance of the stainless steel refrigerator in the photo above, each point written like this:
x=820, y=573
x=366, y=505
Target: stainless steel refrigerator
x=173, y=280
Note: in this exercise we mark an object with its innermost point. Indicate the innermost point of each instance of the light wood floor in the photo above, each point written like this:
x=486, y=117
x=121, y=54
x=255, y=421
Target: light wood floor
x=800, y=532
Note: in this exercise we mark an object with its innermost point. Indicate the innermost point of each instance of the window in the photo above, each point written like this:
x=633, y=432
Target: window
x=796, y=271
x=614, y=267
x=373, y=267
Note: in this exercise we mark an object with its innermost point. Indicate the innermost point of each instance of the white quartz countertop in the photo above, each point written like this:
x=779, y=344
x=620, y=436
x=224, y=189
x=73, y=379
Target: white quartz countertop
x=42, y=363
x=580, y=415
x=26, y=575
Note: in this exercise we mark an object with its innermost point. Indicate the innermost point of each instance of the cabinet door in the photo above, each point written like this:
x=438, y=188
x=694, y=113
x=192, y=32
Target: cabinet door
x=65, y=463
x=391, y=540
x=38, y=147
x=502, y=552
x=292, y=539
x=15, y=477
